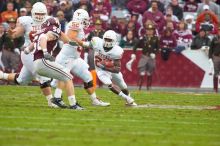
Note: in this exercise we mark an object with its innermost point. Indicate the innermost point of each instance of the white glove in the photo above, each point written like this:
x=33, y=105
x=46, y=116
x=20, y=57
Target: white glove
x=211, y=68
x=86, y=57
x=152, y=55
x=133, y=56
x=130, y=62
x=16, y=50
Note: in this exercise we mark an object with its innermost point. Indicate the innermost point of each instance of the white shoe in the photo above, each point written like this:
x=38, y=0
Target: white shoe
x=130, y=102
x=50, y=104
x=98, y=102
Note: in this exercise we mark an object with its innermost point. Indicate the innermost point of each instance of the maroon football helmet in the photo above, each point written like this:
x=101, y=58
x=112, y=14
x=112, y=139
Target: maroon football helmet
x=52, y=25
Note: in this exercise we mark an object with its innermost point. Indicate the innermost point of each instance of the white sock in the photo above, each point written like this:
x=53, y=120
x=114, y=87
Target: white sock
x=58, y=93
x=93, y=96
x=72, y=100
x=48, y=97
x=124, y=96
x=4, y=76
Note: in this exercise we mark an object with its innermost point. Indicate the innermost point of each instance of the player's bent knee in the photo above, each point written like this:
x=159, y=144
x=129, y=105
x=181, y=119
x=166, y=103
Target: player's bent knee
x=45, y=84
x=88, y=85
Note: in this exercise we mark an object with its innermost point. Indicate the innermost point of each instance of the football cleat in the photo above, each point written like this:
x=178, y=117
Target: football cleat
x=58, y=102
x=76, y=107
x=98, y=102
x=130, y=102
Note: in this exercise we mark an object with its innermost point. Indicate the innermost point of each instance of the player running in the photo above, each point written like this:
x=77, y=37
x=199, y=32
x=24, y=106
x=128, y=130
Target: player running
x=69, y=57
x=26, y=26
x=44, y=63
x=107, y=62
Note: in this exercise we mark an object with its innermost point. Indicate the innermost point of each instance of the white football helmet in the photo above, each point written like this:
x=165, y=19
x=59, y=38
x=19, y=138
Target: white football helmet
x=82, y=16
x=110, y=39
x=39, y=12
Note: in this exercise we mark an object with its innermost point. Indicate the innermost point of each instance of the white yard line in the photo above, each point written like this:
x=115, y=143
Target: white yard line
x=192, y=107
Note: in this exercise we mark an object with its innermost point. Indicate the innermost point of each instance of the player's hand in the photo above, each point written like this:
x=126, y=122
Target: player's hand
x=152, y=55
x=49, y=57
x=98, y=64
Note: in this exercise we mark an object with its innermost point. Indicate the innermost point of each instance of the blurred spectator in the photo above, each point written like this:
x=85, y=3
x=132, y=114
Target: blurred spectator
x=142, y=30
x=169, y=12
x=131, y=27
x=98, y=31
x=214, y=58
x=128, y=41
x=28, y=6
x=11, y=48
x=3, y=5
x=62, y=20
x=9, y=13
x=119, y=4
x=67, y=9
x=212, y=7
x=189, y=19
x=99, y=12
x=200, y=40
x=190, y=6
x=147, y=63
x=183, y=36
x=208, y=20
x=160, y=6
x=83, y=4
x=177, y=10
x=155, y=15
x=23, y=12
x=106, y=5
x=114, y=24
x=169, y=24
x=167, y=43
x=137, y=6
x=51, y=6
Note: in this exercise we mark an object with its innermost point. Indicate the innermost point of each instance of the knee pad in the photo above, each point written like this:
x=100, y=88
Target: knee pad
x=88, y=85
x=45, y=84
x=15, y=79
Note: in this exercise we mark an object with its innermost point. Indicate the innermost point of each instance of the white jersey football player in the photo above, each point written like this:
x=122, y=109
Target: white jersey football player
x=69, y=56
x=107, y=62
x=26, y=26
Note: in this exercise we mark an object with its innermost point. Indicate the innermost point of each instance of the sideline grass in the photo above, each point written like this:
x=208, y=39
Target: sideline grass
x=25, y=120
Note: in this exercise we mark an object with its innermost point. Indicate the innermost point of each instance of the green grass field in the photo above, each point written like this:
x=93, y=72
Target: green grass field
x=25, y=120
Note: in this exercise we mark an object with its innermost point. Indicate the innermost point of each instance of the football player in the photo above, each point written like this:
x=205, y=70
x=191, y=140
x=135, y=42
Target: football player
x=44, y=63
x=107, y=62
x=26, y=26
x=69, y=56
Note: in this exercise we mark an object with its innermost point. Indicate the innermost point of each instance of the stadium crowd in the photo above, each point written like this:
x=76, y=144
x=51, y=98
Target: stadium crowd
x=177, y=25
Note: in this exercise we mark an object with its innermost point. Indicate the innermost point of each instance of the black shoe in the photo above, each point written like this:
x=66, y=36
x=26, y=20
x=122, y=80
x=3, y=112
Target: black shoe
x=58, y=102
x=76, y=107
